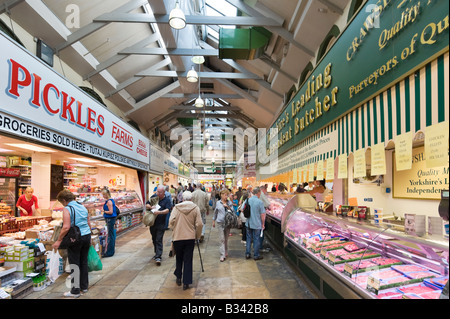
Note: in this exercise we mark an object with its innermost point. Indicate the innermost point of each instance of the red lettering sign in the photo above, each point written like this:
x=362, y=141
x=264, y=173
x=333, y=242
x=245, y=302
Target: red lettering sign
x=9, y=172
x=54, y=100
x=121, y=136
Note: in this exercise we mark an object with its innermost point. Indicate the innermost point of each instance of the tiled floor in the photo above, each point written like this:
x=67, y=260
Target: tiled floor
x=131, y=274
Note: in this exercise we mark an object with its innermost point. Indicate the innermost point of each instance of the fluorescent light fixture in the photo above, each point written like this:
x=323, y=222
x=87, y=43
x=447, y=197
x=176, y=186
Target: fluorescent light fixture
x=31, y=147
x=192, y=75
x=4, y=150
x=86, y=160
x=177, y=20
x=108, y=165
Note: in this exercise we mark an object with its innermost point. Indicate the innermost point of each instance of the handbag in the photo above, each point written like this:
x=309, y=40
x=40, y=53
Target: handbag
x=149, y=218
x=73, y=236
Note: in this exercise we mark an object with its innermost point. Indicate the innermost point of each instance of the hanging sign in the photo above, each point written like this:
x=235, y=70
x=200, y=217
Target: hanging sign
x=342, y=172
x=378, y=160
x=330, y=169
x=319, y=170
x=403, y=151
x=436, y=145
x=359, y=165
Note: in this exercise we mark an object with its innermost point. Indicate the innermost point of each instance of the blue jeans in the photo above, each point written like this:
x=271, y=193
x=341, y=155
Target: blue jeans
x=111, y=246
x=253, y=236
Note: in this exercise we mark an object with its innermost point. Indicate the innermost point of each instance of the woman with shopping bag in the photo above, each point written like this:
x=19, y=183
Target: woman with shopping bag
x=75, y=215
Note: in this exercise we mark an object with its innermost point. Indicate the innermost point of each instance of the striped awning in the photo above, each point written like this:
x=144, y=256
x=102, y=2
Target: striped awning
x=417, y=101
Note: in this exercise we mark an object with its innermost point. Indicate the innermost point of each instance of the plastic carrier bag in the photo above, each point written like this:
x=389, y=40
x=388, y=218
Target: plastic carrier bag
x=94, y=262
x=55, y=265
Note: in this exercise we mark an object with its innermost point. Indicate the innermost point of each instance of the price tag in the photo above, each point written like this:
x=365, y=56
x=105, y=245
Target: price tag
x=323, y=253
x=373, y=283
x=348, y=270
x=304, y=240
x=331, y=258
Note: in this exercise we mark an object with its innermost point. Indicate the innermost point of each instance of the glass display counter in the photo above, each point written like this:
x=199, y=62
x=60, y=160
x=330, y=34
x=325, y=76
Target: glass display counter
x=347, y=257
x=277, y=204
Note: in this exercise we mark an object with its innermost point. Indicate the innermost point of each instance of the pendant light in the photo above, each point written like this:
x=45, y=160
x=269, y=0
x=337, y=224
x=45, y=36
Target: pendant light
x=192, y=76
x=199, y=101
x=198, y=59
x=177, y=20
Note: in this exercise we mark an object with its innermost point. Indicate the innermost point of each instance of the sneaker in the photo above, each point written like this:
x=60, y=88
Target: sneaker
x=258, y=258
x=83, y=291
x=71, y=295
x=178, y=281
x=158, y=261
x=247, y=256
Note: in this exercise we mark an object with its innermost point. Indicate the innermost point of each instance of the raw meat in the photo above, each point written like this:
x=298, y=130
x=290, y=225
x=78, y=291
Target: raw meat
x=362, y=264
x=408, y=268
x=389, y=294
x=420, y=274
x=441, y=281
x=416, y=289
x=394, y=280
x=431, y=295
x=351, y=247
x=386, y=273
x=413, y=296
x=382, y=261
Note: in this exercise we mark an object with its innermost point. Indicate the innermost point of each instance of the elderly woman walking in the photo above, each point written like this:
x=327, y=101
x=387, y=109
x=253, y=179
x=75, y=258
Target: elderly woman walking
x=187, y=224
x=219, y=218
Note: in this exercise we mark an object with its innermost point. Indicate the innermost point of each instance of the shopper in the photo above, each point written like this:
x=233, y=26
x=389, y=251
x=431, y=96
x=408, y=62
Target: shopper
x=266, y=203
x=158, y=228
x=255, y=224
x=26, y=201
x=186, y=222
x=110, y=215
x=200, y=198
x=77, y=254
x=219, y=218
x=242, y=217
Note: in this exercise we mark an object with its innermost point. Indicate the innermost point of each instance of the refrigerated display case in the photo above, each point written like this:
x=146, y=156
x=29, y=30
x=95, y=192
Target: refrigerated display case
x=345, y=257
x=8, y=190
x=273, y=217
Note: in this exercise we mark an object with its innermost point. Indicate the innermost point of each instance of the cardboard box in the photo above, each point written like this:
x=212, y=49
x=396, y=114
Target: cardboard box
x=46, y=212
x=24, y=265
x=32, y=233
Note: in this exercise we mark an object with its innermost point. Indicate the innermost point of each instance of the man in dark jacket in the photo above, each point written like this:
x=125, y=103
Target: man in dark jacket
x=158, y=228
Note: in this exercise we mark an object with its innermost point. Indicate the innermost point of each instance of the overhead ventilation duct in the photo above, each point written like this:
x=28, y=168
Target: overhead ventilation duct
x=243, y=44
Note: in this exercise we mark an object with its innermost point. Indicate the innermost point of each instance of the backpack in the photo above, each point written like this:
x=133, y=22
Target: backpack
x=231, y=219
x=247, y=209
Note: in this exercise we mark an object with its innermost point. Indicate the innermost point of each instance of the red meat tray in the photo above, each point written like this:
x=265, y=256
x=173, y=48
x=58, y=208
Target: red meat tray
x=383, y=261
x=417, y=289
x=408, y=268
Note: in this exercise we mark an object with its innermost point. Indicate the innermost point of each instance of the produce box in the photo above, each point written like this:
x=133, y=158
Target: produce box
x=25, y=265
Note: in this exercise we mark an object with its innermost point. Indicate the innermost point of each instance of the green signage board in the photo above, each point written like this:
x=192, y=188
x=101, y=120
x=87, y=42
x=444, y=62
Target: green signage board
x=386, y=41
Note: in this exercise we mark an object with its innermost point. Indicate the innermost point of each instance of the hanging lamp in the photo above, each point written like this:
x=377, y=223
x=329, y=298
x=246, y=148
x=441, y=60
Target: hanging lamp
x=177, y=19
x=192, y=75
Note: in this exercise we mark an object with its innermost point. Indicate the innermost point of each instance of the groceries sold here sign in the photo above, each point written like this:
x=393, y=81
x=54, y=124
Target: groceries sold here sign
x=38, y=103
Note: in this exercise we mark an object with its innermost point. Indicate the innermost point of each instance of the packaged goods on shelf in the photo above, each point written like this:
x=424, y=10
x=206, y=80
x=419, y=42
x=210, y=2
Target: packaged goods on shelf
x=359, y=266
x=420, y=289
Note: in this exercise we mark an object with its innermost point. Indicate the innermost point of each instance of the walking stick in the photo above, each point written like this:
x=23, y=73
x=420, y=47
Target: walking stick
x=201, y=261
